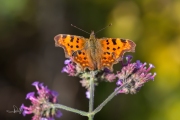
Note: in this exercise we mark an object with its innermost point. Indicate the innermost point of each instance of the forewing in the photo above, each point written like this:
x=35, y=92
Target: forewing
x=70, y=43
x=113, y=50
x=74, y=48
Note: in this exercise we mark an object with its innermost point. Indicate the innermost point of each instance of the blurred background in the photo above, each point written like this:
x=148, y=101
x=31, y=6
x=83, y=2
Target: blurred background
x=28, y=54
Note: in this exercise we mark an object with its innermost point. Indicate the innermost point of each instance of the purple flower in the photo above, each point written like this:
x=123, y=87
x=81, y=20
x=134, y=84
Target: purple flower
x=134, y=75
x=119, y=82
x=42, y=103
x=67, y=61
x=87, y=94
x=71, y=68
x=30, y=95
x=128, y=59
x=110, y=77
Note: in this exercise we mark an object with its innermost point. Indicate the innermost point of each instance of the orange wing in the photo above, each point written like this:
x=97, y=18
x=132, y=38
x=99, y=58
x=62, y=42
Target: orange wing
x=74, y=48
x=113, y=50
x=70, y=43
x=83, y=59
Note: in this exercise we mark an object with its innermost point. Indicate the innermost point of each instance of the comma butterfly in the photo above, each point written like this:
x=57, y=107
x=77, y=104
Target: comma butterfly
x=94, y=53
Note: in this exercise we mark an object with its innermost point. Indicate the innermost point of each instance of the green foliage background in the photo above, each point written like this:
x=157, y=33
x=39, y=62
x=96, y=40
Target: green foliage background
x=27, y=53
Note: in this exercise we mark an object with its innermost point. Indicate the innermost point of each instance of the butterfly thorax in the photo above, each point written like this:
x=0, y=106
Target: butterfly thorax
x=92, y=40
x=92, y=43
x=93, y=49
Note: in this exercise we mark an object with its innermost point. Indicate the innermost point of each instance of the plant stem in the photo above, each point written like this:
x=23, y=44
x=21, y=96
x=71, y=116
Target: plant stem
x=108, y=99
x=70, y=109
x=91, y=99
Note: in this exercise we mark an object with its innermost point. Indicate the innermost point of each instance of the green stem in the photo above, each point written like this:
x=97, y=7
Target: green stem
x=108, y=99
x=70, y=109
x=91, y=99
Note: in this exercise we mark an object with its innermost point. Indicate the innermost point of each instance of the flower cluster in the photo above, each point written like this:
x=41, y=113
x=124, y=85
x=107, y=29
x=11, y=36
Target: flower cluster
x=135, y=74
x=74, y=70
x=71, y=68
x=42, y=104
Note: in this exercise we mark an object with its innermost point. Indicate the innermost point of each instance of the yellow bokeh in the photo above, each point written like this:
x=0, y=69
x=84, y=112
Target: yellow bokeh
x=126, y=23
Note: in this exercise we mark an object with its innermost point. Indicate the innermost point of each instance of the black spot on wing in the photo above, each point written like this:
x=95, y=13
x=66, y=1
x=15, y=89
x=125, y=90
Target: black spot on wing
x=114, y=41
x=72, y=38
x=123, y=40
x=108, y=53
x=79, y=52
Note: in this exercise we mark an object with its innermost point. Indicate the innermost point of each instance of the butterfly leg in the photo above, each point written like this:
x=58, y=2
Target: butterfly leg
x=113, y=55
x=74, y=53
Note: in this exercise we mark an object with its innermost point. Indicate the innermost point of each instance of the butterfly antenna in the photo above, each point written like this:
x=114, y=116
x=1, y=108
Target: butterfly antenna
x=79, y=29
x=104, y=28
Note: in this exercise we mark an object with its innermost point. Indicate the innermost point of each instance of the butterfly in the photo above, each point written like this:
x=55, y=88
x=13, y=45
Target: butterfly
x=94, y=53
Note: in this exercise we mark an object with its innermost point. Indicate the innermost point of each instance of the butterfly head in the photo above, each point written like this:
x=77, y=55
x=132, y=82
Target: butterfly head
x=92, y=35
